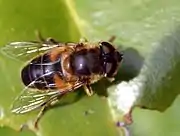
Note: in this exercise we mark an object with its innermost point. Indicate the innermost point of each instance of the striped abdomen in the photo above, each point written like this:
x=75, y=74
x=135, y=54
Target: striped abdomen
x=40, y=72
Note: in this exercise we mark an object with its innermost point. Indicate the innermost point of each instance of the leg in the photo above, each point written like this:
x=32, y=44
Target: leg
x=45, y=107
x=112, y=38
x=82, y=40
x=46, y=41
x=35, y=123
x=50, y=40
x=110, y=79
x=88, y=90
x=41, y=113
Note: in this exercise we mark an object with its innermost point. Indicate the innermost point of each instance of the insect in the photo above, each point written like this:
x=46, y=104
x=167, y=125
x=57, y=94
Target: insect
x=55, y=68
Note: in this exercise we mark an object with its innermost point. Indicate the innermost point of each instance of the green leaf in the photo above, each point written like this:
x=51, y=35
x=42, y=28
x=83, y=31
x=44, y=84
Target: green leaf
x=146, y=31
x=9, y=132
x=19, y=21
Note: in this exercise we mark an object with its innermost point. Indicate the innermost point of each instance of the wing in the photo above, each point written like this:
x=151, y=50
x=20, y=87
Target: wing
x=31, y=99
x=24, y=51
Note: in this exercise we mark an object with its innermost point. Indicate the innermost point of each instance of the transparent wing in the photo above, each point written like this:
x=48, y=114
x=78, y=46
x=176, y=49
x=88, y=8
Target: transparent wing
x=31, y=99
x=42, y=80
x=25, y=50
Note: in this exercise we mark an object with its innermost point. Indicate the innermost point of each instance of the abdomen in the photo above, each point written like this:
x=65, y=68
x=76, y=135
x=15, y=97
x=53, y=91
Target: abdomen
x=40, y=72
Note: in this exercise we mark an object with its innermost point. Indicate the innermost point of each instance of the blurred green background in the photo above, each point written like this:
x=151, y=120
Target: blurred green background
x=141, y=26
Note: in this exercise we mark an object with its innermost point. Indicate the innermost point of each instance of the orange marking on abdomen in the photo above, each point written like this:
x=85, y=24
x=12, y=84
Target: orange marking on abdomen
x=61, y=84
x=55, y=53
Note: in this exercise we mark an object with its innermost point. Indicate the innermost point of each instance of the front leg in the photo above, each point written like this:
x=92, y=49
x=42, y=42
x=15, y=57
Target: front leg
x=112, y=38
x=88, y=90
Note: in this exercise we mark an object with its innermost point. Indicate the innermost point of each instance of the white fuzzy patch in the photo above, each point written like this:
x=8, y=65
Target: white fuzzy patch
x=123, y=98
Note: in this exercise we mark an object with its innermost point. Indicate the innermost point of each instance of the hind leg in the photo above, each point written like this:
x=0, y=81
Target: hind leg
x=49, y=40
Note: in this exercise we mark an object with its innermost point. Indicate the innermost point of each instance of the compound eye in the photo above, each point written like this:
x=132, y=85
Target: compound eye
x=108, y=67
x=118, y=56
x=107, y=47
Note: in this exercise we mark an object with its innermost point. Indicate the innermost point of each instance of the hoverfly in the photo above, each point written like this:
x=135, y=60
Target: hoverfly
x=59, y=68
